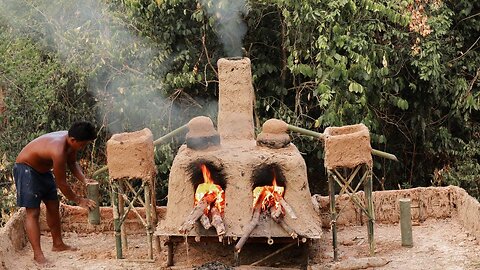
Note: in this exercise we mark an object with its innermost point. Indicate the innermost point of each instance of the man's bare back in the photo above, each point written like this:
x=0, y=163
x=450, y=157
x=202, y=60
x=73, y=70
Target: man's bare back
x=39, y=153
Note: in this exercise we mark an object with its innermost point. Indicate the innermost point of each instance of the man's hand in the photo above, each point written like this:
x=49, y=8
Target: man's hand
x=87, y=203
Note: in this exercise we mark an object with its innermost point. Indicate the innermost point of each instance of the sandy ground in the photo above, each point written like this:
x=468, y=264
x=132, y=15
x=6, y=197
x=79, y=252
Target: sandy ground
x=438, y=244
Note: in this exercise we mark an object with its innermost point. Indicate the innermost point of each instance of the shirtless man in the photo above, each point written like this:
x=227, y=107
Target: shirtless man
x=35, y=182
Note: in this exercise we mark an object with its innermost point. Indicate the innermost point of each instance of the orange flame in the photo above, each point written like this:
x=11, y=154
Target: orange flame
x=211, y=191
x=265, y=195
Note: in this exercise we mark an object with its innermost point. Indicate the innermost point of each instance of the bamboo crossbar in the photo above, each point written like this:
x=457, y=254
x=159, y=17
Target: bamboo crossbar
x=321, y=136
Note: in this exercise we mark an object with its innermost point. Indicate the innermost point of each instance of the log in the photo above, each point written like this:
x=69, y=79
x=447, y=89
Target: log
x=276, y=212
x=279, y=220
x=287, y=228
x=205, y=222
x=288, y=209
x=217, y=222
x=248, y=230
x=358, y=263
x=196, y=213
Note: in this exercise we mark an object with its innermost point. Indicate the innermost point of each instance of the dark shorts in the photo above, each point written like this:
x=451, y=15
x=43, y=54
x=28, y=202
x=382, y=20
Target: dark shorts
x=32, y=186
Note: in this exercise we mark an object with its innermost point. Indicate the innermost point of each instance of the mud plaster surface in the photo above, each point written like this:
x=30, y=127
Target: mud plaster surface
x=274, y=134
x=237, y=159
x=235, y=103
x=201, y=126
x=130, y=155
x=347, y=146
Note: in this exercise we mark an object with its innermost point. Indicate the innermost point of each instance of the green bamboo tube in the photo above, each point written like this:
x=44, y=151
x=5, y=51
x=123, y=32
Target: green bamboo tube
x=148, y=217
x=116, y=223
x=93, y=194
x=406, y=222
x=368, y=188
x=170, y=135
x=333, y=214
x=121, y=212
x=322, y=136
x=158, y=141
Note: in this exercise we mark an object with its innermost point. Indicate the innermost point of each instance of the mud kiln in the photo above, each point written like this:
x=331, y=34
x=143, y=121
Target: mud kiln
x=260, y=188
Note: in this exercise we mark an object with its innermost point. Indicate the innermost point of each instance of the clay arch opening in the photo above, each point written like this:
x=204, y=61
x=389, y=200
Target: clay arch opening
x=267, y=174
x=268, y=189
x=197, y=171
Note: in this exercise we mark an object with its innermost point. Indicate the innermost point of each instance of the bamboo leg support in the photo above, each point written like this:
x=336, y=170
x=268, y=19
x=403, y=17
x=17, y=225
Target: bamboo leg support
x=364, y=173
x=121, y=211
x=371, y=212
x=333, y=215
x=116, y=222
x=148, y=217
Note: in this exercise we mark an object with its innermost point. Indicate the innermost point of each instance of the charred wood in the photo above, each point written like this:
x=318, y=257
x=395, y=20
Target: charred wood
x=205, y=222
x=286, y=206
x=196, y=213
x=217, y=222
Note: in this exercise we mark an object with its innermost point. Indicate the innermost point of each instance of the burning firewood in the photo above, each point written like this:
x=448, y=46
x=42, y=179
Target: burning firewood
x=285, y=206
x=217, y=222
x=277, y=215
x=209, y=201
x=205, y=222
x=196, y=213
x=248, y=230
x=268, y=199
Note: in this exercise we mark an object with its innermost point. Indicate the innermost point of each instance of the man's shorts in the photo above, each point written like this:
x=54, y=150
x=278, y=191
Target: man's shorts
x=32, y=186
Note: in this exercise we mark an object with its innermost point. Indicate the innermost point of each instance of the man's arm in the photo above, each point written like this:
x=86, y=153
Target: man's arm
x=75, y=168
x=59, y=170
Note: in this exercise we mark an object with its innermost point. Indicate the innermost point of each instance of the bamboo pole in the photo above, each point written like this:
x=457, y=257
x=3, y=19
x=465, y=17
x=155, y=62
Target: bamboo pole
x=148, y=217
x=92, y=194
x=121, y=212
x=158, y=141
x=116, y=222
x=333, y=214
x=368, y=186
x=321, y=136
x=273, y=254
x=406, y=222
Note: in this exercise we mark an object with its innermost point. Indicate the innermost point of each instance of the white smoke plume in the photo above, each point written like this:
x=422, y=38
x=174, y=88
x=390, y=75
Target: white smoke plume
x=230, y=26
x=86, y=35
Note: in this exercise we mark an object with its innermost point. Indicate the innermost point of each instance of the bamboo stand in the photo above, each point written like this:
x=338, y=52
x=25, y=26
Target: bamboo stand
x=120, y=190
x=362, y=172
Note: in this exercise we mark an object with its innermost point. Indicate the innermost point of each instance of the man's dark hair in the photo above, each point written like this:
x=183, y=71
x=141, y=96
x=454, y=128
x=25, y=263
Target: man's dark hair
x=82, y=131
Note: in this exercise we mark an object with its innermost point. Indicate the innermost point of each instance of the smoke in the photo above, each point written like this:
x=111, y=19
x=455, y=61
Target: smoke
x=124, y=69
x=229, y=25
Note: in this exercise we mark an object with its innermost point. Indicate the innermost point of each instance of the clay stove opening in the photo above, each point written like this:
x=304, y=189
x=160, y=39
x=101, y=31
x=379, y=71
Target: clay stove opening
x=269, y=187
x=209, y=184
x=197, y=177
x=265, y=174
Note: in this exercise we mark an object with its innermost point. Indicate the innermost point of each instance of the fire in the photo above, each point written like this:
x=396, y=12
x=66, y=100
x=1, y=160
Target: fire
x=210, y=191
x=267, y=196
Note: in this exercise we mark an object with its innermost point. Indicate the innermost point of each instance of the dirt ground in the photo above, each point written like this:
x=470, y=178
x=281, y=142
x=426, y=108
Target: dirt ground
x=438, y=244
